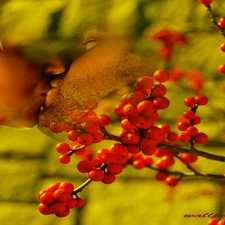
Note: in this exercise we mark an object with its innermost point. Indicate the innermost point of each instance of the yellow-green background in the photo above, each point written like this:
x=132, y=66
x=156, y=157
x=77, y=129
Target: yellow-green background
x=28, y=161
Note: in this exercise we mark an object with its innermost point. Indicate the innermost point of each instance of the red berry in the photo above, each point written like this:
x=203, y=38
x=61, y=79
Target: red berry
x=161, y=102
x=44, y=209
x=149, y=151
x=144, y=83
x=65, y=213
x=96, y=175
x=134, y=149
x=201, y=100
x=183, y=125
x=222, y=47
x=148, y=142
x=130, y=137
x=222, y=68
x=104, y=120
x=91, y=128
x=188, y=158
x=114, y=168
x=57, y=207
x=148, y=160
x=155, y=133
x=67, y=186
x=62, y=148
x=108, y=178
x=190, y=101
x=184, y=137
x=71, y=203
x=130, y=110
x=64, y=159
x=80, y=202
x=118, y=149
x=85, y=139
x=192, y=130
x=72, y=135
x=161, y=176
x=172, y=181
x=98, y=137
x=47, y=198
x=168, y=160
x=164, y=127
x=161, y=76
x=206, y=2
x=221, y=22
x=61, y=195
x=189, y=114
x=213, y=222
x=127, y=125
x=172, y=136
x=138, y=164
x=84, y=166
x=160, y=90
x=146, y=107
x=221, y=222
x=196, y=120
x=200, y=138
x=54, y=187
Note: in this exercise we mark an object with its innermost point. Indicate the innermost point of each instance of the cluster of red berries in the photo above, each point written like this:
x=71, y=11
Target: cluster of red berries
x=187, y=125
x=168, y=38
x=139, y=112
x=58, y=200
x=221, y=24
x=136, y=145
x=216, y=222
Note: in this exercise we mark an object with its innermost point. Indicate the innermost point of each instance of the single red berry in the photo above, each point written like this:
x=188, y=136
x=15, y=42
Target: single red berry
x=84, y=166
x=67, y=186
x=160, y=90
x=114, y=168
x=183, y=125
x=149, y=150
x=190, y=101
x=196, y=120
x=155, y=133
x=118, y=149
x=147, y=142
x=201, y=100
x=200, y=138
x=98, y=137
x=91, y=128
x=62, y=148
x=188, y=158
x=192, y=130
x=184, y=137
x=161, y=176
x=146, y=107
x=130, y=110
x=130, y=137
x=57, y=207
x=64, y=159
x=164, y=127
x=71, y=203
x=205, y=2
x=80, y=202
x=61, y=195
x=44, y=209
x=148, y=160
x=144, y=83
x=96, y=163
x=134, y=149
x=104, y=120
x=47, y=198
x=168, y=160
x=161, y=76
x=138, y=164
x=221, y=22
x=161, y=102
x=108, y=178
x=222, y=47
x=172, y=136
x=53, y=187
x=189, y=114
x=127, y=125
x=118, y=110
x=222, y=68
x=65, y=213
x=171, y=181
x=96, y=175
x=85, y=139
x=72, y=135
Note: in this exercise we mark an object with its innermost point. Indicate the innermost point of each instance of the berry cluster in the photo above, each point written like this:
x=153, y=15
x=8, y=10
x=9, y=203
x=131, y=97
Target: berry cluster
x=190, y=119
x=58, y=200
x=141, y=143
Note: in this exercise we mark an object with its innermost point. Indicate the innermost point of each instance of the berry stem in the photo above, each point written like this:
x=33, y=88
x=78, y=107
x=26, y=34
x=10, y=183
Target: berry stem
x=213, y=19
x=192, y=151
